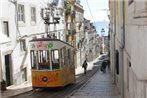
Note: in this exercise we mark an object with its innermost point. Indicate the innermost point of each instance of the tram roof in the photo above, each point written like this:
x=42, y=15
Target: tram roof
x=51, y=40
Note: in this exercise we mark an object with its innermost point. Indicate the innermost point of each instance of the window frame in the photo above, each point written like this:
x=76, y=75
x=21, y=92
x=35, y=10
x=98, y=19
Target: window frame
x=40, y=64
x=23, y=45
x=53, y=56
x=34, y=59
x=6, y=28
x=69, y=56
x=62, y=60
x=33, y=14
x=21, y=13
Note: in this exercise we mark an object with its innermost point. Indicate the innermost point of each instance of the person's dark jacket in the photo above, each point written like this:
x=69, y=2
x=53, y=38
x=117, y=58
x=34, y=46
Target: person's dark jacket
x=85, y=64
x=104, y=65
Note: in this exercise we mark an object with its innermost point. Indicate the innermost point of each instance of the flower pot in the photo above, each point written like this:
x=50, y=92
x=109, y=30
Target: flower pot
x=3, y=85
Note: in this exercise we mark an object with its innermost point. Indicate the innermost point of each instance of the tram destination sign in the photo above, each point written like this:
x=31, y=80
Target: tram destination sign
x=41, y=45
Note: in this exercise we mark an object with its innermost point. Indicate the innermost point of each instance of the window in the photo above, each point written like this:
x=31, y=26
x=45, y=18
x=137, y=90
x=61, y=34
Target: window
x=65, y=56
x=69, y=57
x=33, y=59
x=23, y=44
x=117, y=62
x=40, y=60
x=6, y=28
x=72, y=57
x=33, y=14
x=43, y=60
x=62, y=57
x=21, y=15
x=55, y=60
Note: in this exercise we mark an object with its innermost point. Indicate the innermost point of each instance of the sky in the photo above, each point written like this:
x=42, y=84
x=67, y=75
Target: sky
x=99, y=11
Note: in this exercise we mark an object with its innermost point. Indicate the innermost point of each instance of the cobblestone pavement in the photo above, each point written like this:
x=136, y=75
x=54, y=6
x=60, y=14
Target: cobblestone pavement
x=99, y=86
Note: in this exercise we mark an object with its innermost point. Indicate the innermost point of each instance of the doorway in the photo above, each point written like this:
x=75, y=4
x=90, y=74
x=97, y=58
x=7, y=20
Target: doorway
x=8, y=69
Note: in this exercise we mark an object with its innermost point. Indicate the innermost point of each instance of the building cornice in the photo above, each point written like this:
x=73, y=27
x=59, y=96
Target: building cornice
x=79, y=8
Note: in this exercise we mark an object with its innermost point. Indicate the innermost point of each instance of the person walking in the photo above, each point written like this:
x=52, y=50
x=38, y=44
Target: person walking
x=85, y=66
x=103, y=66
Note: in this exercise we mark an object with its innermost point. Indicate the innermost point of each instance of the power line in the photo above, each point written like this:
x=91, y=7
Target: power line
x=91, y=13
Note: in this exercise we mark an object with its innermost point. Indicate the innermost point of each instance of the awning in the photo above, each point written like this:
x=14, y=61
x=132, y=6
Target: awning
x=3, y=38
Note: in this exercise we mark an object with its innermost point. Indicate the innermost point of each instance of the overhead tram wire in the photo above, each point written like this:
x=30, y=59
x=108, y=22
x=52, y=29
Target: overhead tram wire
x=91, y=13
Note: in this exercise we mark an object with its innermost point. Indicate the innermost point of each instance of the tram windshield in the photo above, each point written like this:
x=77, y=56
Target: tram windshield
x=44, y=60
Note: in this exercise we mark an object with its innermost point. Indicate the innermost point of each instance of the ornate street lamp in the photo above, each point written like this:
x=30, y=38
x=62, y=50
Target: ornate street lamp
x=102, y=32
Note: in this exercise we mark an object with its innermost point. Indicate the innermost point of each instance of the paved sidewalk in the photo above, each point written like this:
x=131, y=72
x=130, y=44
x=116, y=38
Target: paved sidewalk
x=16, y=89
x=99, y=86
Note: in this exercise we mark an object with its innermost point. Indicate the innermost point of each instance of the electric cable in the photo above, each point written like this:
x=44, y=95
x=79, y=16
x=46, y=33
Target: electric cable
x=91, y=13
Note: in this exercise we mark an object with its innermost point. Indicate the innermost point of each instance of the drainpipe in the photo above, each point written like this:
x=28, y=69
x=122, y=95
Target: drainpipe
x=122, y=48
x=1, y=76
x=123, y=24
x=114, y=59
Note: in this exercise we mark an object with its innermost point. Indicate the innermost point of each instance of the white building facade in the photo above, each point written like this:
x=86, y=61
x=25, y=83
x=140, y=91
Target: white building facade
x=79, y=26
x=20, y=21
x=91, y=41
x=128, y=47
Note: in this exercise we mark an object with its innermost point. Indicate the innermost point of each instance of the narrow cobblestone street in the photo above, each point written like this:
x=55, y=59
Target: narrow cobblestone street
x=99, y=86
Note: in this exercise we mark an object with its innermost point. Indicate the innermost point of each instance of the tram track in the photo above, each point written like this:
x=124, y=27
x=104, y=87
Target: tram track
x=62, y=92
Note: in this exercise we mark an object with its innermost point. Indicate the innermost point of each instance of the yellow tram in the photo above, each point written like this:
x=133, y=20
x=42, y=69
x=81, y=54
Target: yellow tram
x=52, y=62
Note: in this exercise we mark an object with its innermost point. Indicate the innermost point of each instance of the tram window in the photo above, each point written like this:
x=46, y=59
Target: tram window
x=43, y=60
x=34, y=59
x=55, y=59
x=65, y=56
x=39, y=57
x=72, y=58
x=69, y=58
x=62, y=57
